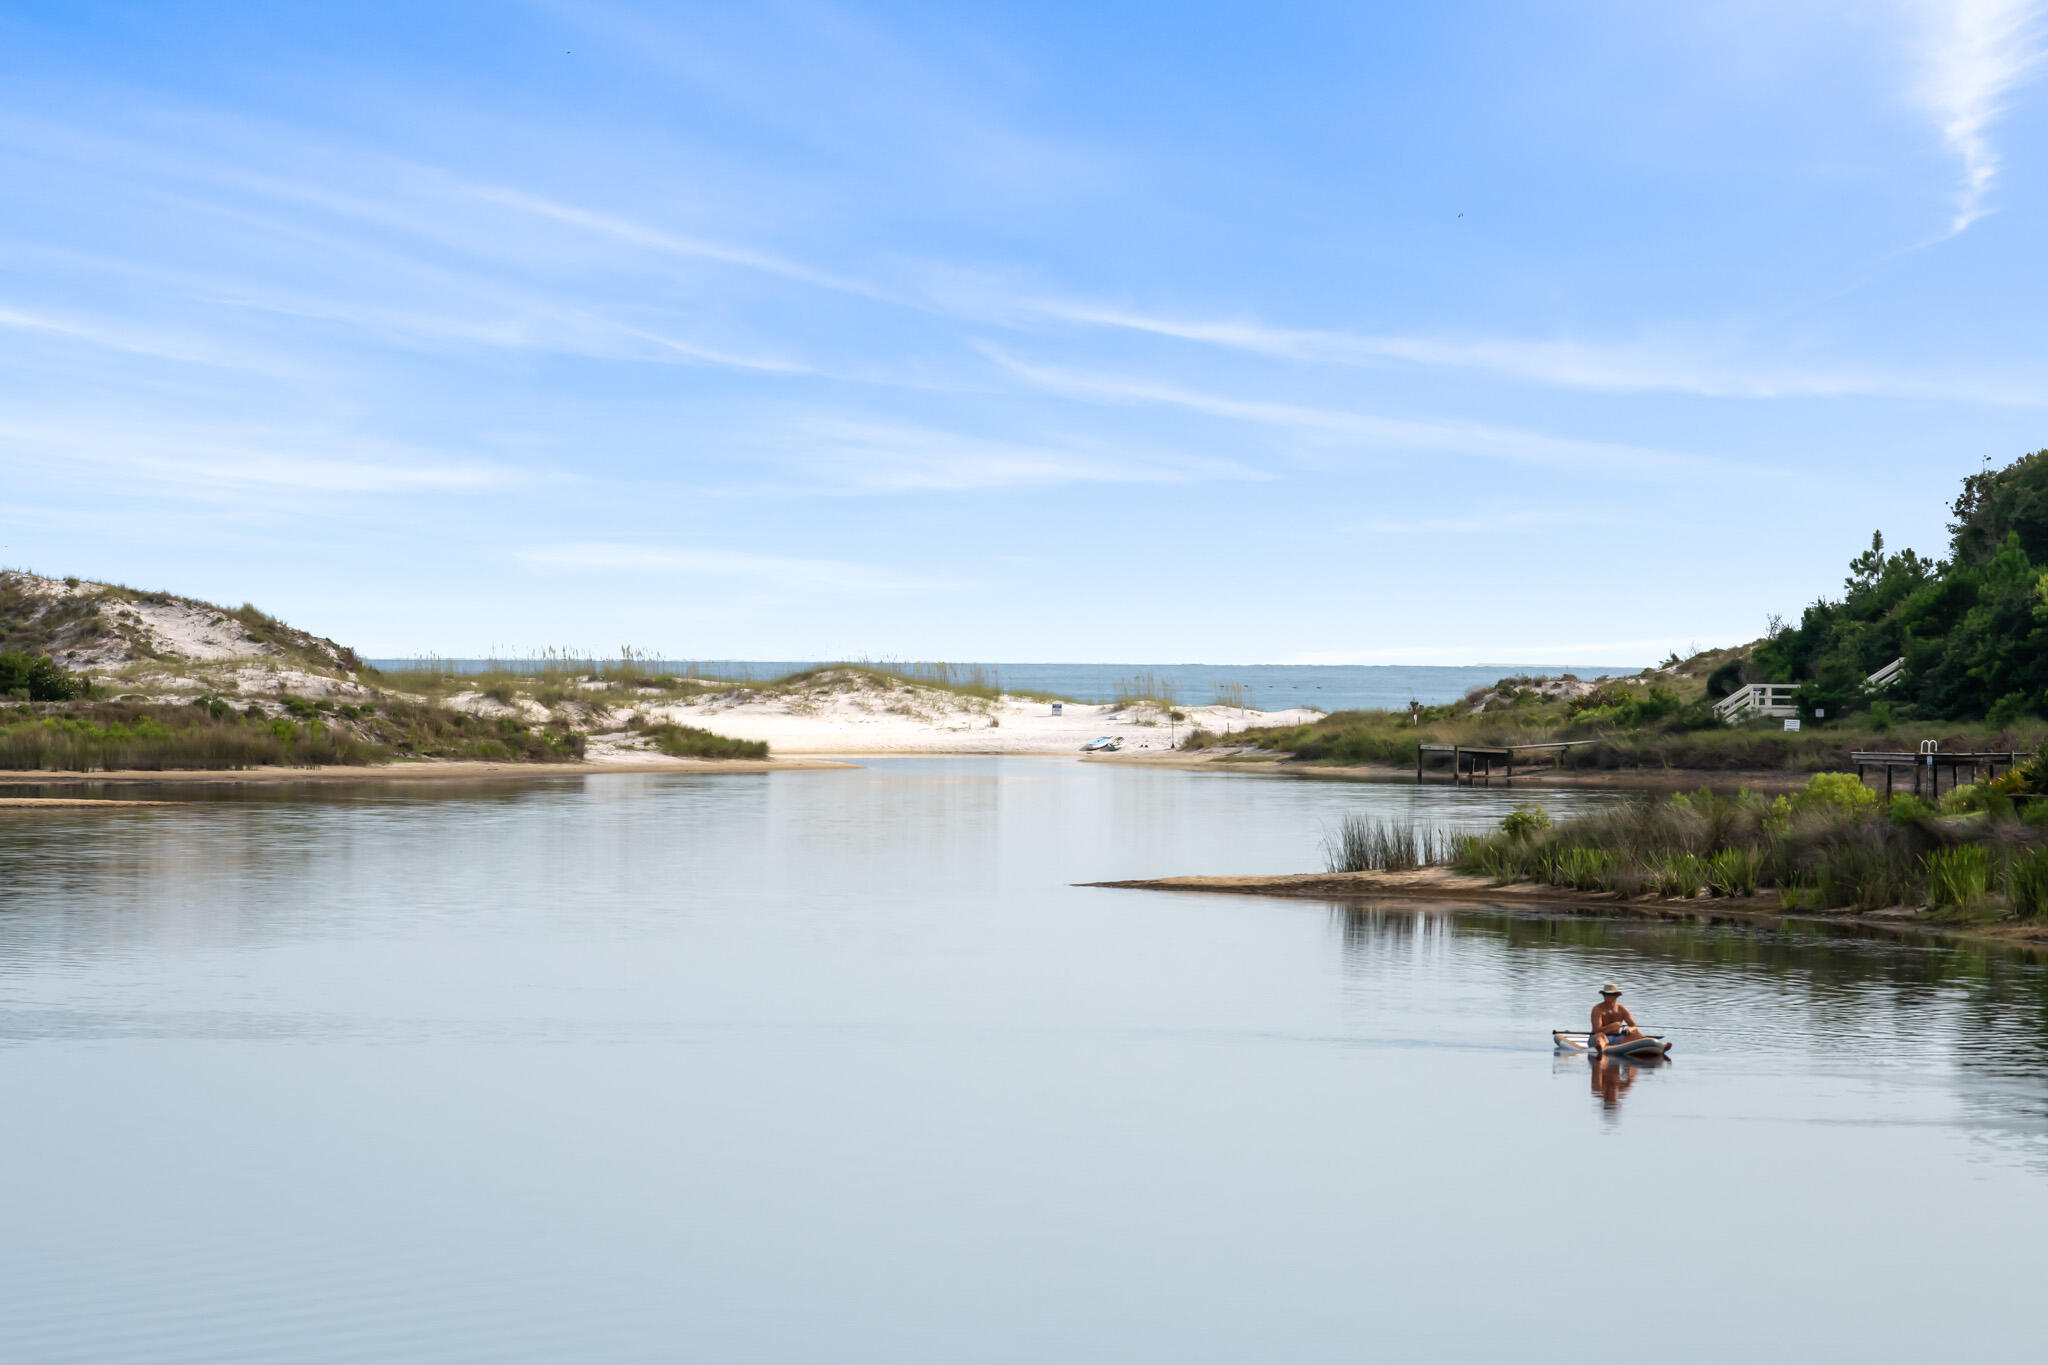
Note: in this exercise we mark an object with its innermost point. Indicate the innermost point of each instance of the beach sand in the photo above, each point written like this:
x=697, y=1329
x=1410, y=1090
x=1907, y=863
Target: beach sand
x=861, y=723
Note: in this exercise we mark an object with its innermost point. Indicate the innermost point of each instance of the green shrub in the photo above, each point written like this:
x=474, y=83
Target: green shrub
x=1835, y=791
x=38, y=678
x=1525, y=821
x=2007, y=709
x=1907, y=811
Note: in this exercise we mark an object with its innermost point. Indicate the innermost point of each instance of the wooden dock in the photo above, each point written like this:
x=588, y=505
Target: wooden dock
x=1472, y=762
x=1932, y=763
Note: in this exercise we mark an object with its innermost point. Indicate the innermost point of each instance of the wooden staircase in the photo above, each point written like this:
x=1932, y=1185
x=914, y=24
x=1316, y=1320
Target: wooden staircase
x=1775, y=699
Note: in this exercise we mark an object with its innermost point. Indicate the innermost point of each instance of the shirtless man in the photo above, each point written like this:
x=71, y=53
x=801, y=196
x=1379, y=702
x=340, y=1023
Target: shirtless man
x=1613, y=1025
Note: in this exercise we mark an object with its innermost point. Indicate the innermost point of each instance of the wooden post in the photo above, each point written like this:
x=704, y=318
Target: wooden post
x=1418, y=765
x=1887, y=782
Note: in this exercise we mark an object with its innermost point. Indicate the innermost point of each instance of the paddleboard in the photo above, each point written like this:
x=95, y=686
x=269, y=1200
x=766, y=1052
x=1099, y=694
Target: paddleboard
x=1651, y=1046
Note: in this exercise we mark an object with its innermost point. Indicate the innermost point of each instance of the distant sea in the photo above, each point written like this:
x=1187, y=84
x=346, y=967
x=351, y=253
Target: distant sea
x=1268, y=687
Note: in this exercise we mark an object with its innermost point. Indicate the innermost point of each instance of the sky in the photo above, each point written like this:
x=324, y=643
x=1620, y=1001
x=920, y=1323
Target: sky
x=1348, y=333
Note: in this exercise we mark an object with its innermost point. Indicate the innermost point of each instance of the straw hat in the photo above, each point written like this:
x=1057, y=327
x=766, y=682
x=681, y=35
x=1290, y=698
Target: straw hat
x=1610, y=989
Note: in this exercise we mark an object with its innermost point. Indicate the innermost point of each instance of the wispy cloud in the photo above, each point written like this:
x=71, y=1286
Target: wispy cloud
x=875, y=456
x=131, y=339
x=1644, y=364
x=817, y=576
x=1390, y=433
x=1486, y=521
x=1973, y=54
x=631, y=233
x=198, y=462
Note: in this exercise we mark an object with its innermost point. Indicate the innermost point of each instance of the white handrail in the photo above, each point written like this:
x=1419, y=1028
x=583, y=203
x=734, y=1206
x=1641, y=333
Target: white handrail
x=1886, y=676
x=1762, y=699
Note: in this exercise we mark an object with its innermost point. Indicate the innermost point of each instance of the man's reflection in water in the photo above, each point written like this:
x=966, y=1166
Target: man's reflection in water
x=1612, y=1076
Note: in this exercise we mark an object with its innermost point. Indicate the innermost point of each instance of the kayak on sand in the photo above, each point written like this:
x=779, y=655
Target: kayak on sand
x=1651, y=1045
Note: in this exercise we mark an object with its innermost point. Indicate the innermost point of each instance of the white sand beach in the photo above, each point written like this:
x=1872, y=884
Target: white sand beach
x=927, y=721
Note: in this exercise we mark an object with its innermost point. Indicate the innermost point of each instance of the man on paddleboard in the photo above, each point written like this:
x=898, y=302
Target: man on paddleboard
x=1613, y=1025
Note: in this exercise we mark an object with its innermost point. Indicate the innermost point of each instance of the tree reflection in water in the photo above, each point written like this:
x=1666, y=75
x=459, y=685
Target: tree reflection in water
x=1789, y=996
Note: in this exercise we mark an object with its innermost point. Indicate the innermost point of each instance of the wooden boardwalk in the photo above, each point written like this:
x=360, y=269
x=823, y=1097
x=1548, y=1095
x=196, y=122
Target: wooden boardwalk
x=1472, y=762
x=1932, y=763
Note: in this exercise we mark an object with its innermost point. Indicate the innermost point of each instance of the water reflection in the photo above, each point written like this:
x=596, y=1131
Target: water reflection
x=1970, y=1019
x=1612, y=1077
x=625, y=1068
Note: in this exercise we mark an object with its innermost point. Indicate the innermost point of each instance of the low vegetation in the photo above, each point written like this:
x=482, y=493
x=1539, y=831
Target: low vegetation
x=1631, y=725
x=1981, y=852
x=155, y=739
x=687, y=741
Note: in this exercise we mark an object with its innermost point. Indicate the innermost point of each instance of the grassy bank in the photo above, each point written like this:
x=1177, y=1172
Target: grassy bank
x=153, y=743
x=1977, y=855
x=1635, y=724
x=211, y=734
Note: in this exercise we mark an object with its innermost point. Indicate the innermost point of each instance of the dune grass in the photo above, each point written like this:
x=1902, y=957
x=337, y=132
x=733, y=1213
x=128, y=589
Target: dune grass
x=557, y=677
x=687, y=741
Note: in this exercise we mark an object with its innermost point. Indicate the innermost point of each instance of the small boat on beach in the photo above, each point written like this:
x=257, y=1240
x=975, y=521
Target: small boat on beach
x=1651, y=1045
x=1107, y=744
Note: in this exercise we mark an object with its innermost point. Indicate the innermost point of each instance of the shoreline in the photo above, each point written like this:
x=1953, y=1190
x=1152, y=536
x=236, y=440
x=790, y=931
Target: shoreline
x=1441, y=884
x=430, y=770
x=1657, y=779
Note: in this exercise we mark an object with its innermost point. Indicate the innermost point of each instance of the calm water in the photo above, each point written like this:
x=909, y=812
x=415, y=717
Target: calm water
x=1268, y=687
x=839, y=1067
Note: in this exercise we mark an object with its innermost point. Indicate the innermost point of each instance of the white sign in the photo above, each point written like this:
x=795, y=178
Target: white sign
x=1792, y=724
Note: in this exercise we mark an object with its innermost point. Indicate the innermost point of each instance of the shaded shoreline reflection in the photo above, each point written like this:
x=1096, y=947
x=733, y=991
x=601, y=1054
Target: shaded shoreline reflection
x=1967, y=1018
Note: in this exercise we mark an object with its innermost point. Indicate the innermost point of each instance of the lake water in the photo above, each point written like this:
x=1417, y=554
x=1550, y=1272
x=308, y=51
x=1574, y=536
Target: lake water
x=1267, y=687
x=839, y=1067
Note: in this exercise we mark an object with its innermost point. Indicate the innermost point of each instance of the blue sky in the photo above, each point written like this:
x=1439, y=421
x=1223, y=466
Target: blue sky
x=1341, y=333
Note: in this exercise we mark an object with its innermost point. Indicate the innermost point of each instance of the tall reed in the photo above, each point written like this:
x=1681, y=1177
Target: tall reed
x=1360, y=843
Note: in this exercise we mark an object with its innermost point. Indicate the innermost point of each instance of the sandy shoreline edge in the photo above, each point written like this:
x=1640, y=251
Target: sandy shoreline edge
x=1441, y=884
x=454, y=770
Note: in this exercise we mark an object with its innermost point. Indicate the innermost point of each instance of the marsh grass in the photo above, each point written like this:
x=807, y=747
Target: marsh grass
x=71, y=744
x=1833, y=846
x=1360, y=843
x=2026, y=884
x=1958, y=878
